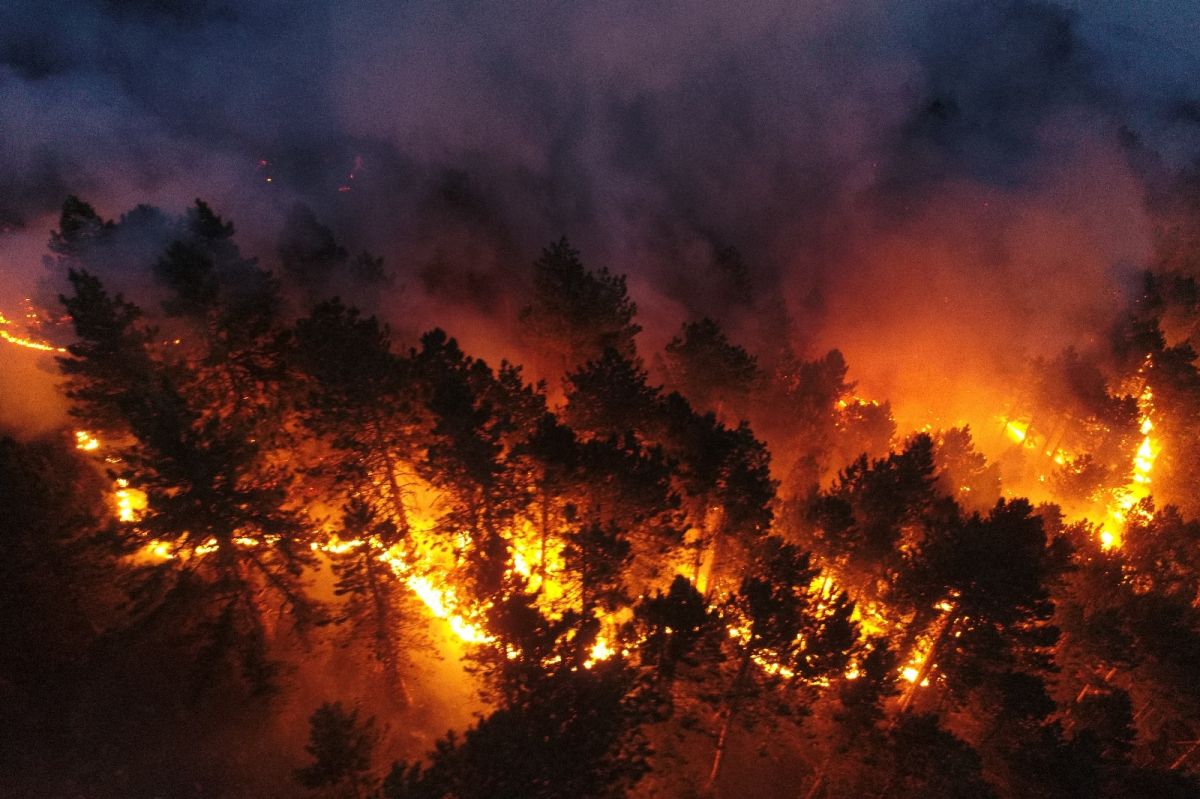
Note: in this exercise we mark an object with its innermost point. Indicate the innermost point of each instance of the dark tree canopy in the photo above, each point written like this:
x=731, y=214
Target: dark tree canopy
x=577, y=313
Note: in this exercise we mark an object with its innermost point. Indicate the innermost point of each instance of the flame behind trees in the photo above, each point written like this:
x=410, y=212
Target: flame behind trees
x=616, y=567
x=200, y=431
x=205, y=476
x=778, y=619
x=24, y=341
x=983, y=583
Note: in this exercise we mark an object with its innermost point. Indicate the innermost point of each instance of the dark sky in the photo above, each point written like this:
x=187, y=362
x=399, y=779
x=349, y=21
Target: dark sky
x=909, y=181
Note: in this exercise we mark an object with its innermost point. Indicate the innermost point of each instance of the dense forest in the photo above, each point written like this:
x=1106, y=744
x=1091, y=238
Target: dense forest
x=278, y=551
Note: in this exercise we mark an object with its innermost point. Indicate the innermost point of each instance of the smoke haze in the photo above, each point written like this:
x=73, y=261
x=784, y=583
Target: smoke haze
x=941, y=189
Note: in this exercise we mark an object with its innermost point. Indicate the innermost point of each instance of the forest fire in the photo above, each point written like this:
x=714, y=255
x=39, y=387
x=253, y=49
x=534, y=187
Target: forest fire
x=523, y=535
x=443, y=604
x=797, y=401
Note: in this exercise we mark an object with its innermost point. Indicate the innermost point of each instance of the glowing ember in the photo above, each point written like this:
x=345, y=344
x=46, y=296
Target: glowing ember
x=600, y=651
x=130, y=502
x=86, y=441
x=1017, y=431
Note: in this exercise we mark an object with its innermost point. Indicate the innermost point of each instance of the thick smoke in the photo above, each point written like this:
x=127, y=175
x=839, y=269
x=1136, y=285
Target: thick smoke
x=940, y=189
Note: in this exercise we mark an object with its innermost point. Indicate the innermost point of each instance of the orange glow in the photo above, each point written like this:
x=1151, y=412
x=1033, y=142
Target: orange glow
x=1138, y=488
x=600, y=651
x=1017, y=431
x=22, y=341
x=130, y=502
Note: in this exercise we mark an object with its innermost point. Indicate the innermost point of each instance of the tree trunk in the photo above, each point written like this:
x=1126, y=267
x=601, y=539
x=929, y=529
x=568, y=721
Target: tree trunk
x=819, y=779
x=1184, y=757
x=698, y=560
x=545, y=533
x=714, y=553
x=384, y=634
x=927, y=665
x=397, y=495
x=727, y=722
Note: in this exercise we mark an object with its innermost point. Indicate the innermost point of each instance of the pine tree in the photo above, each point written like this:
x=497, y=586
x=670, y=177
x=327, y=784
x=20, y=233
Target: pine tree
x=609, y=396
x=576, y=733
x=596, y=556
x=362, y=403
x=478, y=419
x=783, y=621
x=212, y=500
x=987, y=581
x=924, y=761
x=671, y=629
x=714, y=374
x=576, y=313
x=308, y=251
x=873, y=509
x=964, y=473
x=79, y=229
x=798, y=412
x=341, y=747
x=723, y=476
x=59, y=570
x=376, y=607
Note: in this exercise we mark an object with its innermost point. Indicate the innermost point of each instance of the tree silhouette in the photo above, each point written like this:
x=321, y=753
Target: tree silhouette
x=341, y=747
x=575, y=734
x=712, y=373
x=211, y=497
x=987, y=581
x=863, y=519
x=363, y=402
x=376, y=607
x=576, y=313
x=609, y=396
x=79, y=229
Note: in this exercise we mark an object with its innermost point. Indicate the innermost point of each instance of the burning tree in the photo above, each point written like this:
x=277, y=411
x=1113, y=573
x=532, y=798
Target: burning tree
x=780, y=623
x=217, y=509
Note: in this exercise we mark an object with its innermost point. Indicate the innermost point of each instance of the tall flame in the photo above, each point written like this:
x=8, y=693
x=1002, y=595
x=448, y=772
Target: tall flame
x=1138, y=487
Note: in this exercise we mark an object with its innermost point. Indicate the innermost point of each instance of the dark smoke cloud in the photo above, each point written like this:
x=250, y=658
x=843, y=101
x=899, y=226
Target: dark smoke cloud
x=932, y=186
